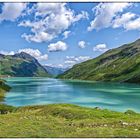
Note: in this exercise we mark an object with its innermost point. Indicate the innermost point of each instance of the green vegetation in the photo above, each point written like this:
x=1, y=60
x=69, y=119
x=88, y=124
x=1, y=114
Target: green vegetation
x=3, y=88
x=5, y=109
x=21, y=65
x=118, y=65
x=64, y=120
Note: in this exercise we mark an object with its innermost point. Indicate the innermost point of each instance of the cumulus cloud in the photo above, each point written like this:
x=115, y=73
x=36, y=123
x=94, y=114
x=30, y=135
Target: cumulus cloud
x=82, y=44
x=105, y=14
x=66, y=34
x=78, y=58
x=35, y=53
x=55, y=65
x=133, y=25
x=128, y=21
x=121, y=21
x=11, y=11
x=7, y=53
x=100, y=48
x=72, y=60
x=38, y=37
x=58, y=46
x=50, y=20
x=43, y=57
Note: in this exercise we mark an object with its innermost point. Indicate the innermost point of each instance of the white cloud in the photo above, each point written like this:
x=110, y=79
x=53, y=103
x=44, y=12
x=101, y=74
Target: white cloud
x=133, y=25
x=38, y=37
x=105, y=13
x=55, y=65
x=35, y=53
x=82, y=44
x=70, y=57
x=66, y=34
x=50, y=20
x=78, y=58
x=43, y=57
x=128, y=21
x=100, y=48
x=72, y=60
x=83, y=58
x=11, y=11
x=59, y=66
x=122, y=20
x=58, y=46
x=32, y=52
x=7, y=53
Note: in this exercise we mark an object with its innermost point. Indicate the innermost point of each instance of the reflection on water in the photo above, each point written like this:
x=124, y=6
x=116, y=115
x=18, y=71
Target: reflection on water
x=33, y=91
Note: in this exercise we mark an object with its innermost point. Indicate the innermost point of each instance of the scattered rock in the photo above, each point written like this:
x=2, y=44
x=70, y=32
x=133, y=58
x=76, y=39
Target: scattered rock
x=124, y=123
x=98, y=108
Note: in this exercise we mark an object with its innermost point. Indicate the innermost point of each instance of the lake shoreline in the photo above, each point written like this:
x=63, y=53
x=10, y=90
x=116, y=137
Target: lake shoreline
x=67, y=121
x=86, y=92
x=7, y=88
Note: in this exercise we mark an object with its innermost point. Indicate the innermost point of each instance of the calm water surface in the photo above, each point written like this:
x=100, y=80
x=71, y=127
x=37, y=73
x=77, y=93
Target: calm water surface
x=35, y=91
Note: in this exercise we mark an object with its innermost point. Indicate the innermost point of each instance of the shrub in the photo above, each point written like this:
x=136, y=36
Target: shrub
x=130, y=112
x=4, y=109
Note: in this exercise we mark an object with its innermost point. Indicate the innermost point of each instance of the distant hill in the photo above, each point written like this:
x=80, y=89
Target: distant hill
x=54, y=71
x=120, y=64
x=21, y=65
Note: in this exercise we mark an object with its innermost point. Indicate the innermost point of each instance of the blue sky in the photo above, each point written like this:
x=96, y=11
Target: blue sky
x=63, y=34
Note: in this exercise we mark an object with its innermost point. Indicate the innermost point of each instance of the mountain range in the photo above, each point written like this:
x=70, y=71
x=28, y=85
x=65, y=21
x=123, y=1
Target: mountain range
x=54, y=71
x=119, y=65
x=21, y=65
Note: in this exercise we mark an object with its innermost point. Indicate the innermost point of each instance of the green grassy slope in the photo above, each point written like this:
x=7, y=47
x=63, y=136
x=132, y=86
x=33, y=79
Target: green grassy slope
x=21, y=65
x=63, y=120
x=121, y=64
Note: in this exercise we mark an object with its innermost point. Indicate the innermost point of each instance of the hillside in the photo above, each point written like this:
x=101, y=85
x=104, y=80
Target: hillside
x=121, y=64
x=21, y=65
x=64, y=120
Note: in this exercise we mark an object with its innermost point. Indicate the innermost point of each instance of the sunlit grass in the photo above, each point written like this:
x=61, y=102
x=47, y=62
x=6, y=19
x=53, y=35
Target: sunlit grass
x=64, y=120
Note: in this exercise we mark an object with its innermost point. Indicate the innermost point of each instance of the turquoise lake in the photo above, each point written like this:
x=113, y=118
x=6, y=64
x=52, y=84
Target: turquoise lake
x=36, y=91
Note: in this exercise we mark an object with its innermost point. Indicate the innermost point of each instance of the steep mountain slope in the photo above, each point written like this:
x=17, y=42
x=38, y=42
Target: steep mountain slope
x=21, y=65
x=121, y=64
x=54, y=71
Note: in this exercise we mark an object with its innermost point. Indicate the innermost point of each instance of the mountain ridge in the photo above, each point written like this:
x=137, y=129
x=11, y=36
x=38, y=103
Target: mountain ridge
x=120, y=64
x=21, y=65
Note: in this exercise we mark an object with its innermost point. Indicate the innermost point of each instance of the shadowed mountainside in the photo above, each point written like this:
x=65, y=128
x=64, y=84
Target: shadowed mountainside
x=21, y=65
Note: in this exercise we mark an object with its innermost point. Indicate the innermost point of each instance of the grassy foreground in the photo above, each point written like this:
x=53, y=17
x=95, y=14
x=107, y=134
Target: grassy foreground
x=65, y=120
